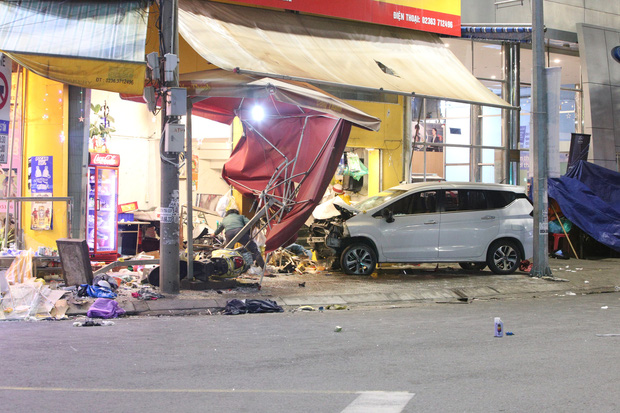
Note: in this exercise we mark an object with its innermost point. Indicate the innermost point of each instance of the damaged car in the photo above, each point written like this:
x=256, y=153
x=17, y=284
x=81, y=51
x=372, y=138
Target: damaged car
x=473, y=224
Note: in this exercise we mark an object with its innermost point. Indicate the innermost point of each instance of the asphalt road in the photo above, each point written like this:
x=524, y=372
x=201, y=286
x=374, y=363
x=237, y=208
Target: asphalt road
x=424, y=358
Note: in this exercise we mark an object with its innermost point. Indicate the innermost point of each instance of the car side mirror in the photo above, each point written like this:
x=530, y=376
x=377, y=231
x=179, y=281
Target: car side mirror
x=387, y=215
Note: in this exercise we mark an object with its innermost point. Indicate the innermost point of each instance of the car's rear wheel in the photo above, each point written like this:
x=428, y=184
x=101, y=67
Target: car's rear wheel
x=473, y=266
x=503, y=257
x=358, y=259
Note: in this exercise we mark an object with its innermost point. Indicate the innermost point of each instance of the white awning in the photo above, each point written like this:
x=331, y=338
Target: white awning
x=97, y=45
x=329, y=51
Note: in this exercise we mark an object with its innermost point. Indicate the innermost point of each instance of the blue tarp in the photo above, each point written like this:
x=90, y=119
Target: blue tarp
x=589, y=196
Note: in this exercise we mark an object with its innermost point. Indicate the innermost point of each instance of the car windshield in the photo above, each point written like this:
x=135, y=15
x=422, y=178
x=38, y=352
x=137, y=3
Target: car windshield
x=379, y=199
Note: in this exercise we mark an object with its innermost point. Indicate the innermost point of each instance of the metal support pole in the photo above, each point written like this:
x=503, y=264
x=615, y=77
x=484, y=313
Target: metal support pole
x=407, y=139
x=511, y=92
x=475, y=153
x=9, y=184
x=540, y=265
x=188, y=173
x=169, y=280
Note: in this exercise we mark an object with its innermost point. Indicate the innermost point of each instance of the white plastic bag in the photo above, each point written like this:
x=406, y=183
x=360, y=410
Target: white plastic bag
x=226, y=202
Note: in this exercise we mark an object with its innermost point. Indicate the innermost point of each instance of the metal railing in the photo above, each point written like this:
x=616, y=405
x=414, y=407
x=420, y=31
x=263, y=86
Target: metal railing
x=17, y=203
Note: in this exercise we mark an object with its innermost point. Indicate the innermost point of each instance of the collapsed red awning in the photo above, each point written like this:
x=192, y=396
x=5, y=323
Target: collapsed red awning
x=289, y=156
x=291, y=160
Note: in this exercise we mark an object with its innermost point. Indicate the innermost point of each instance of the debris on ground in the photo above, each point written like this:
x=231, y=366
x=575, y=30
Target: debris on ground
x=146, y=294
x=235, y=307
x=304, y=308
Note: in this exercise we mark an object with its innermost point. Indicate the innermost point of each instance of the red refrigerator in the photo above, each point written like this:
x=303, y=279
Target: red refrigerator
x=101, y=219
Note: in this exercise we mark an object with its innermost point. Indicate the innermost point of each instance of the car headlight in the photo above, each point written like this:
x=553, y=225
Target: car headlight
x=345, y=230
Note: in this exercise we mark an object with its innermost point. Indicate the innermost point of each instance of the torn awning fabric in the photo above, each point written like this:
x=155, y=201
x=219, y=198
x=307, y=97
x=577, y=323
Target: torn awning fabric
x=291, y=155
x=290, y=160
x=91, y=44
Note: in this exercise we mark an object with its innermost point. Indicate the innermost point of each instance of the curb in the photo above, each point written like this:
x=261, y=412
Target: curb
x=178, y=306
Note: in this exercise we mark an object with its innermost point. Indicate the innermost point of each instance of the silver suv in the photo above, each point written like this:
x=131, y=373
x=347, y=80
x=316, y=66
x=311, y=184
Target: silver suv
x=472, y=224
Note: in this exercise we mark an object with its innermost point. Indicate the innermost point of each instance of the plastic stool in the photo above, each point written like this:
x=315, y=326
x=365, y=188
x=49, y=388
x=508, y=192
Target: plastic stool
x=556, y=240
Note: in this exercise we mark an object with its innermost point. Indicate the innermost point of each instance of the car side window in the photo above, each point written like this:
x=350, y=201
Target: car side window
x=401, y=207
x=418, y=203
x=500, y=199
x=424, y=202
x=465, y=200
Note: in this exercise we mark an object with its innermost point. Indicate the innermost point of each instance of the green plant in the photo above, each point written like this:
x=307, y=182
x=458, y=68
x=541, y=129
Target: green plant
x=102, y=125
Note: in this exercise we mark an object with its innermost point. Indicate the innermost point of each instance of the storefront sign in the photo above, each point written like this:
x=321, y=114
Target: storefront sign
x=104, y=159
x=131, y=206
x=436, y=16
x=40, y=172
x=5, y=106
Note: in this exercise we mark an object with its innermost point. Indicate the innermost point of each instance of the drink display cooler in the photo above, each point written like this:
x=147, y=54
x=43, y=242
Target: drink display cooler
x=101, y=219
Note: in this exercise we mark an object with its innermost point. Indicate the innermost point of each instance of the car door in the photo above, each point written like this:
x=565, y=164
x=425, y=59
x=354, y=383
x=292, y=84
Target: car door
x=467, y=224
x=413, y=235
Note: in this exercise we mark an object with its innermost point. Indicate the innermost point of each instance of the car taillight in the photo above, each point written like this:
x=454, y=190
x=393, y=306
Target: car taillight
x=238, y=261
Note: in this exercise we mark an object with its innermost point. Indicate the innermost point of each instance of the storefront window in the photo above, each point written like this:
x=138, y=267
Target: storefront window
x=446, y=146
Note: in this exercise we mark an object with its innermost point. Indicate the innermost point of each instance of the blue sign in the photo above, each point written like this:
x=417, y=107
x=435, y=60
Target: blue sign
x=41, y=175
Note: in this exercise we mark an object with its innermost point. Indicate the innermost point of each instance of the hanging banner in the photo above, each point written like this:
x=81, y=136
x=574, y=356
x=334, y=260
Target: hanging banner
x=579, y=149
x=435, y=16
x=40, y=173
x=5, y=106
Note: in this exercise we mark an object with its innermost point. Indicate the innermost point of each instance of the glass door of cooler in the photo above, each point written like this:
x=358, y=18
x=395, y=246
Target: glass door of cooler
x=102, y=214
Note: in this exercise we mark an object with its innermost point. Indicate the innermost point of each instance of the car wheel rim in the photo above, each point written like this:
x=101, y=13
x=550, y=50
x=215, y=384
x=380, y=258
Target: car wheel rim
x=505, y=257
x=358, y=260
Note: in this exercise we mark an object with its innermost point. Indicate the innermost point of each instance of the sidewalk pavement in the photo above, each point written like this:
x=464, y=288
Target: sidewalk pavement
x=390, y=286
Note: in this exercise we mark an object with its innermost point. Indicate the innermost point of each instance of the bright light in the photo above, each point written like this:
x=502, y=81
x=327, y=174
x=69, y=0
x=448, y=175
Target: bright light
x=556, y=61
x=258, y=113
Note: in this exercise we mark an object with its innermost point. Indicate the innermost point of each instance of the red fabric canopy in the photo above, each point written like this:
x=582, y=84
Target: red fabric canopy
x=297, y=172
x=291, y=155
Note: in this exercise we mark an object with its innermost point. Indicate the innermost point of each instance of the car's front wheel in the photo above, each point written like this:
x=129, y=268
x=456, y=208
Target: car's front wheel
x=503, y=257
x=358, y=259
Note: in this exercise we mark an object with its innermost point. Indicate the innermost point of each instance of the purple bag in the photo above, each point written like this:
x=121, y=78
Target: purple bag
x=104, y=308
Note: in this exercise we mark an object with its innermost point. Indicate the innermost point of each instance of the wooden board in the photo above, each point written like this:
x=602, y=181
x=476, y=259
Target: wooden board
x=75, y=261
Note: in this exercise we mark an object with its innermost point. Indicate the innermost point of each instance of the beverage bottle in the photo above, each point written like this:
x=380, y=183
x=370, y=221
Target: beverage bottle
x=499, y=327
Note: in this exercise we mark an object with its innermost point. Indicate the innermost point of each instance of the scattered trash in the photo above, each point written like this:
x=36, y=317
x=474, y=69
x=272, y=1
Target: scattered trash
x=510, y=333
x=604, y=307
x=146, y=294
x=499, y=327
x=551, y=278
x=235, y=306
x=105, y=308
x=338, y=329
x=617, y=288
x=93, y=323
x=303, y=284
x=608, y=335
x=525, y=266
x=305, y=308
x=570, y=293
x=321, y=308
x=586, y=282
x=336, y=307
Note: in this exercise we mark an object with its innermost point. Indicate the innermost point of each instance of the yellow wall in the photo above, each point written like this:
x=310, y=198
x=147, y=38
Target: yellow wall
x=389, y=139
x=45, y=134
